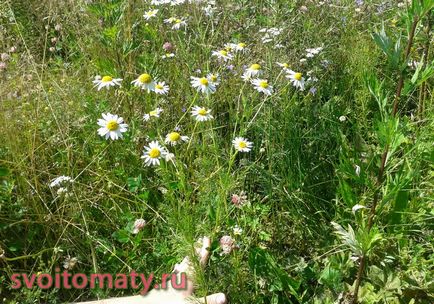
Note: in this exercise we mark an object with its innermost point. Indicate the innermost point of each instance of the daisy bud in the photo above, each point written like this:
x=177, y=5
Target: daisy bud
x=52, y=49
x=2, y=65
x=342, y=118
x=12, y=49
x=53, y=40
x=303, y=9
x=138, y=225
x=58, y=27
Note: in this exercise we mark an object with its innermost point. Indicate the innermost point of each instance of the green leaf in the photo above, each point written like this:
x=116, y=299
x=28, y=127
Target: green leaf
x=264, y=265
x=347, y=194
x=348, y=238
x=121, y=236
x=4, y=171
x=401, y=203
x=392, y=51
x=134, y=183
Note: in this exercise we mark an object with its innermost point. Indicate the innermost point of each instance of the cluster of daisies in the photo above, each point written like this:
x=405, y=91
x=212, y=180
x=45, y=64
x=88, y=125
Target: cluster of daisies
x=112, y=126
x=175, y=22
x=144, y=82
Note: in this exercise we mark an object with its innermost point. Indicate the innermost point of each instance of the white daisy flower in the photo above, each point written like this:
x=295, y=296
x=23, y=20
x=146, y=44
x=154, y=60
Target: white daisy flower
x=161, y=88
x=203, y=85
x=169, y=157
x=262, y=85
x=168, y=55
x=213, y=78
x=111, y=126
x=296, y=79
x=237, y=47
x=177, y=23
x=246, y=77
x=153, y=153
x=106, y=81
x=283, y=65
x=170, y=20
x=201, y=113
x=253, y=71
x=222, y=54
x=241, y=144
x=153, y=113
x=174, y=138
x=145, y=82
x=150, y=14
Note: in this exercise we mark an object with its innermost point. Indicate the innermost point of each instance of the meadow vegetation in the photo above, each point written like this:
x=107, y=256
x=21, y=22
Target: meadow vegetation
x=303, y=147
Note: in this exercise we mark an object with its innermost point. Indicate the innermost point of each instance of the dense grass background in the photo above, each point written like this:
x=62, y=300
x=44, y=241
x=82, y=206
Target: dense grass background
x=299, y=177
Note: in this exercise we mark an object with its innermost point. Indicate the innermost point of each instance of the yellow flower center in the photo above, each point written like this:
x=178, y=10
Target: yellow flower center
x=159, y=86
x=213, y=78
x=112, y=125
x=106, y=79
x=174, y=136
x=255, y=67
x=241, y=45
x=145, y=78
x=178, y=21
x=263, y=84
x=223, y=53
x=154, y=153
x=242, y=144
x=202, y=112
x=297, y=76
x=203, y=81
x=153, y=113
x=285, y=65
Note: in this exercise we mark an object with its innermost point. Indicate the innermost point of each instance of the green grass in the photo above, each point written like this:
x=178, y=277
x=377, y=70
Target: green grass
x=299, y=177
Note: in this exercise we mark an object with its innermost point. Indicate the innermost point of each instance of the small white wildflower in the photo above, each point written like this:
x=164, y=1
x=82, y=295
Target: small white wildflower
x=237, y=230
x=60, y=180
